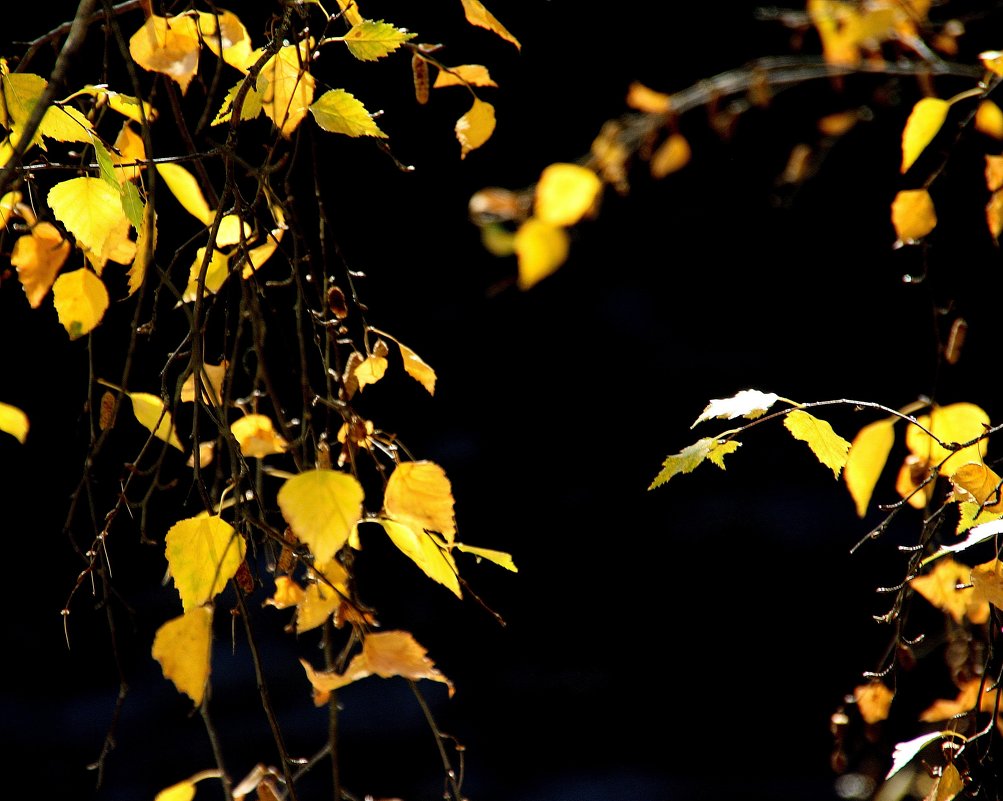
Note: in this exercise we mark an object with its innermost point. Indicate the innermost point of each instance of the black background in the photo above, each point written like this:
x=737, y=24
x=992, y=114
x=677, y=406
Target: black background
x=689, y=642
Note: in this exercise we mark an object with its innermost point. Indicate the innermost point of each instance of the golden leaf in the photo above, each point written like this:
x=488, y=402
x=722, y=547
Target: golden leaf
x=478, y=15
x=987, y=581
x=830, y=448
x=948, y=785
x=463, y=75
x=994, y=172
x=185, y=790
x=146, y=243
x=8, y=207
x=286, y=88
x=541, y=249
x=185, y=188
x=992, y=60
x=913, y=474
x=954, y=423
x=117, y=247
x=14, y=422
x=642, y=98
x=418, y=369
x=168, y=45
x=693, y=455
x=203, y=553
x=182, y=646
x=258, y=255
x=322, y=507
x=499, y=558
x=217, y=271
x=925, y=120
x=232, y=230
x=213, y=376
x=129, y=149
x=81, y=300
x=153, y=415
x=323, y=597
x=257, y=436
x=370, y=370
x=866, y=461
x=940, y=588
x=982, y=484
x=287, y=593
x=989, y=119
x=419, y=495
x=913, y=215
x=225, y=35
x=38, y=257
x=89, y=208
x=424, y=550
x=384, y=654
x=966, y=701
x=475, y=127
x=873, y=700
x=565, y=193
x=350, y=10
x=672, y=155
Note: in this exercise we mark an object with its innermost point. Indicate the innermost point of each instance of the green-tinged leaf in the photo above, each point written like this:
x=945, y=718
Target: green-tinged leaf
x=105, y=164
x=972, y=513
x=866, y=461
x=422, y=549
x=691, y=456
x=499, y=558
x=750, y=403
x=21, y=91
x=183, y=647
x=373, y=39
x=475, y=127
x=81, y=299
x=322, y=507
x=830, y=448
x=133, y=204
x=153, y=415
x=203, y=554
x=338, y=111
x=14, y=422
x=249, y=108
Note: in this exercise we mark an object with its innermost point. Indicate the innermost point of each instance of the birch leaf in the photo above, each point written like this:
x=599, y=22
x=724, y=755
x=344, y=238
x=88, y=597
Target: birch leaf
x=81, y=300
x=541, y=249
x=14, y=422
x=940, y=586
x=217, y=271
x=203, y=553
x=478, y=15
x=168, y=45
x=913, y=215
x=286, y=88
x=691, y=456
x=422, y=549
x=643, y=98
x=418, y=369
x=866, y=460
x=475, y=127
x=185, y=188
x=672, y=155
x=226, y=37
x=89, y=208
x=153, y=415
x=371, y=40
x=213, y=376
x=182, y=646
x=419, y=495
x=146, y=243
x=982, y=484
x=463, y=75
x=565, y=193
x=987, y=581
x=989, y=119
x=323, y=597
x=750, y=403
x=499, y=558
x=370, y=370
x=337, y=111
x=830, y=448
x=257, y=436
x=38, y=257
x=925, y=120
x=322, y=507
x=954, y=423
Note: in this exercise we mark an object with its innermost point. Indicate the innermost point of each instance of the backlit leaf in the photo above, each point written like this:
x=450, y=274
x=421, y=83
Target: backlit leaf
x=565, y=193
x=370, y=40
x=954, y=423
x=989, y=119
x=21, y=91
x=478, y=15
x=257, y=436
x=286, y=88
x=226, y=37
x=691, y=456
x=168, y=45
x=185, y=188
x=948, y=785
x=940, y=586
x=971, y=514
x=925, y=120
x=38, y=256
x=323, y=597
x=830, y=448
x=866, y=460
x=994, y=214
x=287, y=593
x=913, y=215
x=89, y=208
x=370, y=370
x=994, y=172
x=987, y=581
x=126, y=105
x=418, y=369
x=185, y=790
x=750, y=403
x=422, y=549
x=146, y=243
x=463, y=75
x=213, y=376
x=874, y=701
x=475, y=127
x=153, y=415
x=419, y=495
x=541, y=249
x=8, y=205
x=250, y=107
x=81, y=300
x=231, y=231
x=260, y=254
x=641, y=98
x=672, y=155
x=203, y=554
x=182, y=646
x=338, y=111
x=217, y=271
x=982, y=484
x=992, y=60
x=14, y=422
x=65, y=124
x=499, y=558
x=322, y=507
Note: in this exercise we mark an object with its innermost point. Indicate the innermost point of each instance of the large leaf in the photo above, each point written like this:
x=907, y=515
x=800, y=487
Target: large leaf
x=168, y=45
x=954, y=423
x=565, y=193
x=81, y=300
x=866, y=460
x=203, y=553
x=419, y=495
x=422, y=549
x=830, y=448
x=322, y=507
x=692, y=456
x=286, y=88
x=89, y=208
x=182, y=646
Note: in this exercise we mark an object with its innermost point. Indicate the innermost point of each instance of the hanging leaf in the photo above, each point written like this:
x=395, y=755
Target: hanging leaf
x=499, y=558
x=185, y=790
x=286, y=88
x=830, y=448
x=81, y=300
x=185, y=188
x=874, y=700
x=38, y=257
x=987, y=581
x=370, y=370
x=182, y=646
x=422, y=549
x=913, y=216
x=419, y=495
x=981, y=483
x=691, y=456
x=226, y=37
x=322, y=507
x=371, y=40
x=463, y=75
x=89, y=208
x=954, y=423
x=213, y=376
x=989, y=119
x=475, y=127
x=323, y=597
x=641, y=98
x=337, y=111
x=168, y=45
x=203, y=554
x=925, y=120
x=904, y=753
x=257, y=436
x=541, y=249
x=866, y=460
x=146, y=243
x=672, y=155
x=418, y=369
x=14, y=422
x=217, y=271
x=478, y=15
x=153, y=415
x=565, y=193
x=750, y=403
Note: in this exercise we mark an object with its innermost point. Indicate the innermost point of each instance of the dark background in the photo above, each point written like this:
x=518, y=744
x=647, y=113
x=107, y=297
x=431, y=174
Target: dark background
x=690, y=642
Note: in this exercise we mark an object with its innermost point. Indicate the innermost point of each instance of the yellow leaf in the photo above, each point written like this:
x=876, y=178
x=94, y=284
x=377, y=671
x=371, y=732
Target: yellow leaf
x=385, y=654
x=989, y=119
x=257, y=256
x=672, y=155
x=117, y=247
x=185, y=790
x=992, y=60
x=866, y=460
x=994, y=172
x=14, y=422
x=499, y=558
x=151, y=413
x=322, y=507
x=370, y=40
x=38, y=257
x=565, y=193
x=940, y=588
x=185, y=188
x=642, y=98
x=954, y=423
x=370, y=370
x=257, y=436
x=826, y=444
x=182, y=646
x=972, y=514
x=232, y=230
x=126, y=105
x=836, y=22
x=925, y=120
x=350, y=10
x=982, y=484
x=463, y=75
x=691, y=456
x=286, y=88
x=750, y=403
x=217, y=271
x=168, y=45
x=419, y=495
x=913, y=215
x=225, y=35
x=213, y=376
x=324, y=596
x=89, y=208
x=422, y=549
x=146, y=243
x=129, y=149
x=203, y=553
x=81, y=300
x=987, y=581
x=873, y=700
x=65, y=124
x=948, y=785
x=338, y=111
x=418, y=369
x=541, y=249
x=287, y=593
x=475, y=127
x=914, y=473
x=478, y=15
x=994, y=214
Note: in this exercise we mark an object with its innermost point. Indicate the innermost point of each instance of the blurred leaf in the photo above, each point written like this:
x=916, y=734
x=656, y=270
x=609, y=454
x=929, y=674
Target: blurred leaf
x=541, y=249
x=478, y=15
x=14, y=422
x=913, y=215
x=693, y=455
x=565, y=193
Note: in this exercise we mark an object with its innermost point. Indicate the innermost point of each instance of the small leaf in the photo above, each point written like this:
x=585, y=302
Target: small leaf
x=976, y=534
x=987, y=581
x=541, y=249
x=146, y=243
x=14, y=422
x=81, y=300
x=217, y=271
x=948, y=785
x=641, y=98
x=687, y=460
x=419, y=495
x=232, y=230
x=152, y=414
x=185, y=790
x=672, y=155
x=925, y=120
x=750, y=403
x=478, y=15
x=185, y=188
x=418, y=369
x=422, y=549
x=337, y=111
x=226, y=37
x=203, y=554
x=499, y=558
x=989, y=119
x=463, y=75
x=475, y=127
x=213, y=376
x=873, y=700
x=322, y=507
x=370, y=370
x=830, y=448
x=565, y=193
x=168, y=45
x=913, y=215
x=370, y=40
x=941, y=588
x=182, y=646
x=38, y=256
x=982, y=484
x=866, y=460
x=257, y=436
